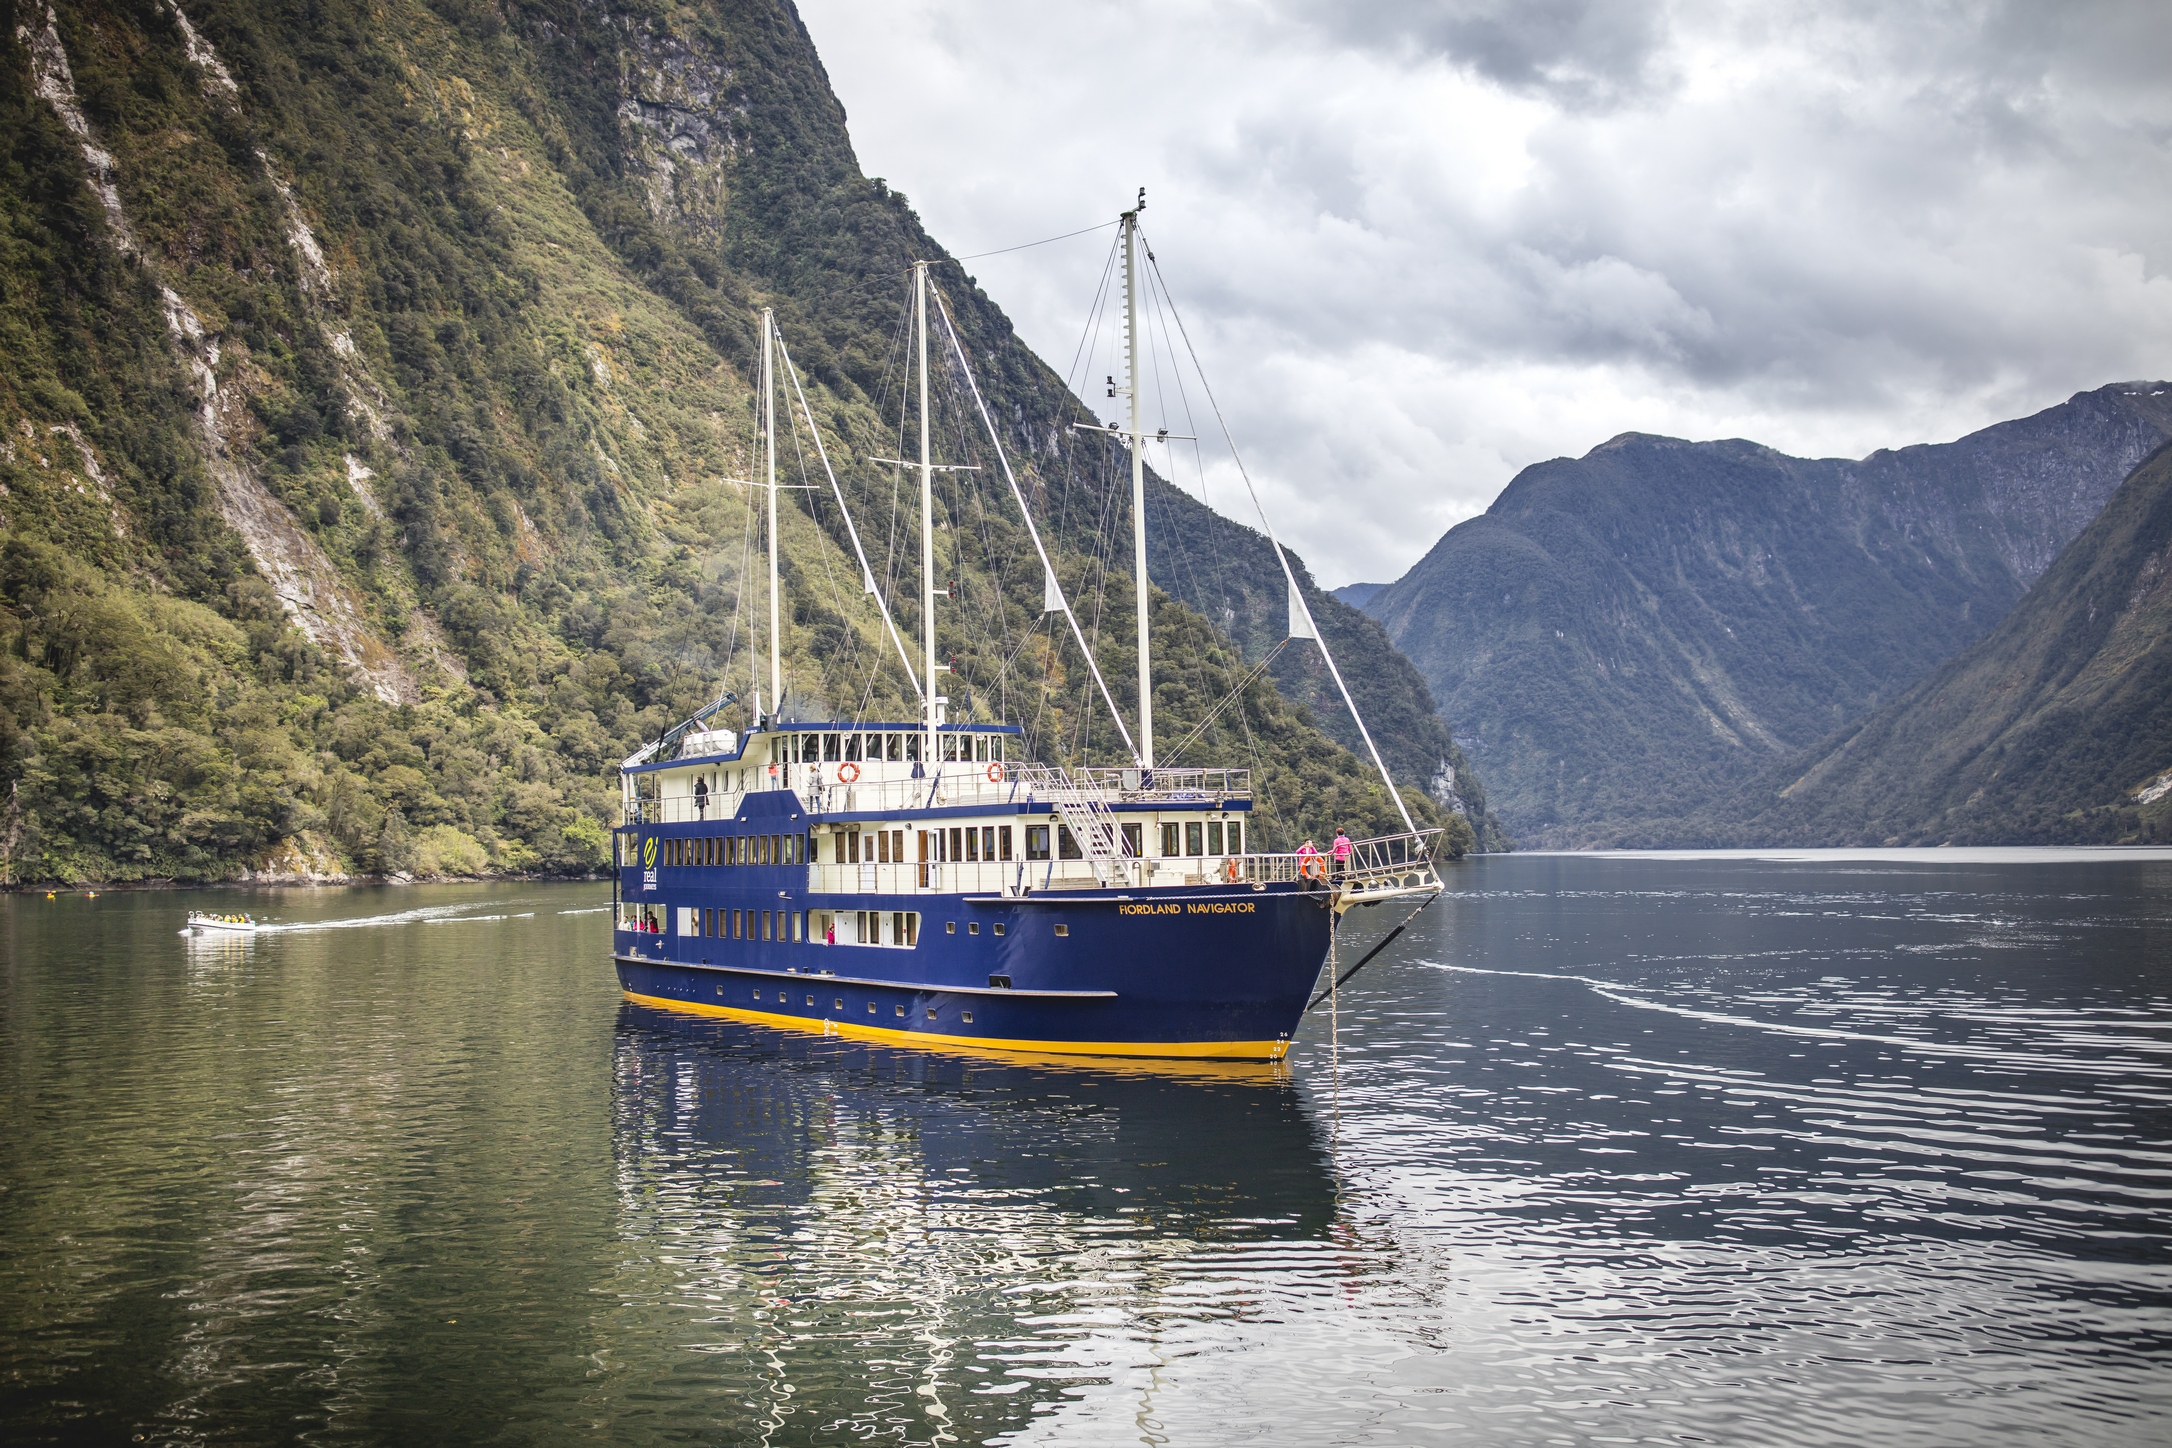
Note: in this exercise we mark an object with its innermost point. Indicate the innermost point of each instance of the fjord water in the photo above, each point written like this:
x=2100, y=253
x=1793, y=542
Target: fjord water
x=1813, y=1151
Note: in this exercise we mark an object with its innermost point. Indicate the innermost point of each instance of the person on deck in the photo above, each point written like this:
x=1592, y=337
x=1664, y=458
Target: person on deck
x=701, y=797
x=1309, y=865
x=1341, y=851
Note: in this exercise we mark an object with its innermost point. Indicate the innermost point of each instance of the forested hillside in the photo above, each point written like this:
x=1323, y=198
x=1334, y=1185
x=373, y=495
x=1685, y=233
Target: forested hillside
x=2055, y=728
x=1626, y=637
x=374, y=387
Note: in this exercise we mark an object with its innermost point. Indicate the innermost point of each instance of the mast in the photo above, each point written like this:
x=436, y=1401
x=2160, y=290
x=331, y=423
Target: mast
x=769, y=426
x=1138, y=479
x=927, y=517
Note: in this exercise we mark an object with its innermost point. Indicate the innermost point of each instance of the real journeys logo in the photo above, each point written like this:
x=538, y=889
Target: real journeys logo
x=648, y=863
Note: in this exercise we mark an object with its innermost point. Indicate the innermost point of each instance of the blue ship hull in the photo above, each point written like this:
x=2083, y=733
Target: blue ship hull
x=1208, y=972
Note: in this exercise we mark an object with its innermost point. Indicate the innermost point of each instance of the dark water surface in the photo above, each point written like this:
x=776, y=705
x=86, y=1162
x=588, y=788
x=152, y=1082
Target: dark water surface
x=1830, y=1151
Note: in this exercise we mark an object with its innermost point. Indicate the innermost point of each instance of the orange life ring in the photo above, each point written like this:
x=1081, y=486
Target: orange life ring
x=1231, y=870
x=848, y=772
x=1312, y=867
x=995, y=772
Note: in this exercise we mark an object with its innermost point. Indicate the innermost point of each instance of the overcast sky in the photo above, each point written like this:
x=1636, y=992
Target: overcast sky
x=1421, y=246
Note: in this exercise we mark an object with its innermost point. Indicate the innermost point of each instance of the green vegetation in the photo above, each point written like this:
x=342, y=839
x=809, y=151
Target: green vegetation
x=458, y=519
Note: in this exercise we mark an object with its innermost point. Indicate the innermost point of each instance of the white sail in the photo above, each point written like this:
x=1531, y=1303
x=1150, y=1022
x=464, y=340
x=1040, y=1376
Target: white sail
x=1051, y=595
x=1300, y=620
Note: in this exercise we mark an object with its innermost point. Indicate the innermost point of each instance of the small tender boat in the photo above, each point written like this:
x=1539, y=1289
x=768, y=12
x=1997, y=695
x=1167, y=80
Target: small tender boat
x=202, y=924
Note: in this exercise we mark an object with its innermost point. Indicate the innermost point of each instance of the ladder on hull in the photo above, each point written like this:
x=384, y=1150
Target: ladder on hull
x=1085, y=815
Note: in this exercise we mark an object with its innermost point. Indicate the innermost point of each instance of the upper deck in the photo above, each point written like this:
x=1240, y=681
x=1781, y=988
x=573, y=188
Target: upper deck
x=871, y=768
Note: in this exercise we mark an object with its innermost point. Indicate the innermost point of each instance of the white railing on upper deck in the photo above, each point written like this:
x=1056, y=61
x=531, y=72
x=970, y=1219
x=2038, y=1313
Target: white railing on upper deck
x=964, y=788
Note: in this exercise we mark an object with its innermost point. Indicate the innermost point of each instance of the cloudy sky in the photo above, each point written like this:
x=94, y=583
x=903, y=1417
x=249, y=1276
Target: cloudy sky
x=1421, y=246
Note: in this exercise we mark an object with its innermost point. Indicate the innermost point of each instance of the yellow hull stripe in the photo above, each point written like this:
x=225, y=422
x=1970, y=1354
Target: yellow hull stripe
x=1202, y=1051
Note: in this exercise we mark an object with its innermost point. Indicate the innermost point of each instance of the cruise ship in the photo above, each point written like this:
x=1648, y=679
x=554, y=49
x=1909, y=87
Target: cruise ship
x=922, y=882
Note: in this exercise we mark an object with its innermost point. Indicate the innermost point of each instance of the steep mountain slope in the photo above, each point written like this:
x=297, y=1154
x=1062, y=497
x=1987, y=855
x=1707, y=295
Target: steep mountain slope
x=2056, y=727
x=1627, y=636
x=373, y=382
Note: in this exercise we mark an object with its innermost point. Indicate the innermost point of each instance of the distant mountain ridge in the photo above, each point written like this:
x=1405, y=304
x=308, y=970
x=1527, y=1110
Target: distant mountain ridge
x=2055, y=728
x=1625, y=637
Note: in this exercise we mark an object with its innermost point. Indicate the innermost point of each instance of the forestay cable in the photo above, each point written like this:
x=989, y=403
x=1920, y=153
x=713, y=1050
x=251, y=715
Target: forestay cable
x=1296, y=594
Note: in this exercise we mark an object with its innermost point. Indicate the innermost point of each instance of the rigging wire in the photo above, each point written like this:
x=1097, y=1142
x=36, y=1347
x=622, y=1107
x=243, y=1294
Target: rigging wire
x=1028, y=245
x=1289, y=574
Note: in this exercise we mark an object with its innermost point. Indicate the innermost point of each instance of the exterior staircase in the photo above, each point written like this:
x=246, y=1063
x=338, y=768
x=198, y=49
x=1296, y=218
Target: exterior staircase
x=1085, y=814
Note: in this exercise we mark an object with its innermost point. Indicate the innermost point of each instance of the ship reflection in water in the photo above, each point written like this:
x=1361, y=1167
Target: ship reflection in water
x=888, y=1241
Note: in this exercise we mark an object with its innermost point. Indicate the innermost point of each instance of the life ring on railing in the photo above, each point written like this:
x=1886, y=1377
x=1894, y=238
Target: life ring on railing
x=1232, y=871
x=995, y=772
x=848, y=772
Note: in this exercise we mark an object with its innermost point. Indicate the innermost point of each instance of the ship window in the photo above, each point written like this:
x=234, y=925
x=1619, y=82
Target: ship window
x=1003, y=840
x=1236, y=838
x=901, y=1010
x=852, y=847
x=810, y=748
x=912, y=748
x=957, y=848
x=871, y=1008
x=999, y=982
x=1172, y=839
x=972, y=927
x=838, y=1004
x=955, y=746
x=980, y=748
x=966, y=1016
x=987, y=842
x=757, y=995
x=972, y=845
x=833, y=745
x=950, y=927
x=1063, y=930
x=810, y=1003
x=1194, y=839
x=1214, y=837
x=1066, y=846
x=910, y=919
x=799, y=929
x=765, y=924
x=931, y=1013
x=999, y=927
x=1036, y=842
x=1132, y=845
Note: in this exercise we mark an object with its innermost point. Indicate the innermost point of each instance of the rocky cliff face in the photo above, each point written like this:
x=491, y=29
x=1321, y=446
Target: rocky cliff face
x=375, y=388
x=1625, y=637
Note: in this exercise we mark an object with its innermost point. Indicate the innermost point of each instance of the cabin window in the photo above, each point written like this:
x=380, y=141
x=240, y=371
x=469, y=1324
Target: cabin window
x=1172, y=839
x=1036, y=842
x=1236, y=838
x=685, y=923
x=799, y=935
x=1066, y=846
x=766, y=919
x=999, y=927
x=1214, y=837
x=810, y=748
x=871, y=1008
x=912, y=748
x=838, y=1004
x=980, y=748
x=839, y=838
x=852, y=847
x=1134, y=845
x=957, y=849
x=950, y=927
x=972, y=927
x=972, y=845
x=987, y=842
x=1063, y=930
x=966, y=1016
x=1003, y=841
x=882, y=847
x=1195, y=839
x=901, y=1010
x=833, y=747
x=757, y=995
x=931, y=1013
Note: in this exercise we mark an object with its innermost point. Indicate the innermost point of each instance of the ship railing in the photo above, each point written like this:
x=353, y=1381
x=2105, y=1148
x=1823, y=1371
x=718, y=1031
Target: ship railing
x=1173, y=785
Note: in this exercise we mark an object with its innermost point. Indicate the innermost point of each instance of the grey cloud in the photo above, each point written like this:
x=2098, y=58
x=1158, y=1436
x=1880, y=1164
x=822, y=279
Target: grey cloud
x=1583, y=54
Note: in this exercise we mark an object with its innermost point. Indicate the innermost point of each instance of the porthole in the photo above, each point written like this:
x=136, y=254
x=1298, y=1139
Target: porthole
x=810, y=1003
x=973, y=928
x=839, y=1003
x=871, y=1008
x=1063, y=930
x=950, y=927
x=966, y=1016
x=901, y=1010
x=999, y=927
x=931, y=1013
x=757, y=995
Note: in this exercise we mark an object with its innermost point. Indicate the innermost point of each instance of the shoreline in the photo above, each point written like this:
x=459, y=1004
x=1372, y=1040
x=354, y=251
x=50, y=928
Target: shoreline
x=291, y=882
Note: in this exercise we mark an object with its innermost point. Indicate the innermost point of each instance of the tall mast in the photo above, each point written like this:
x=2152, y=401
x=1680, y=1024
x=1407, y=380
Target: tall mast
x=769, y=426
x=927, y=516
x=1138, y=478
